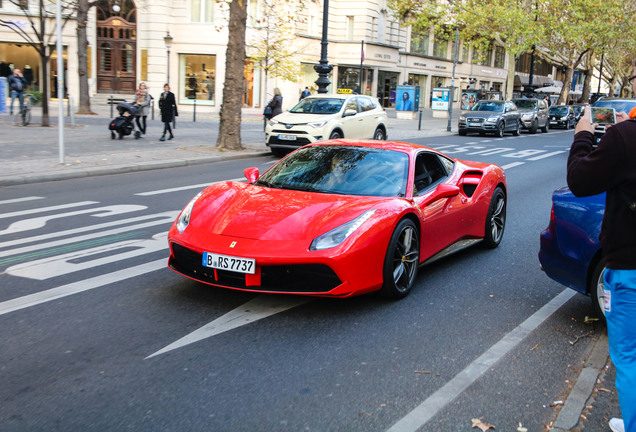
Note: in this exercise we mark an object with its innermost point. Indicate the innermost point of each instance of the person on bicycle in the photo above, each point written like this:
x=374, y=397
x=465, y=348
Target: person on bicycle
x=17, y=86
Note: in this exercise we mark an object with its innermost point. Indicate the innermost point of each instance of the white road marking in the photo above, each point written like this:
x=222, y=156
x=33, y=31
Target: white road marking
x=536, y=158
x=256, y=309
x=19, y=200
x=97, y=227
x=45, y=209
x=72, y=262
x=512, y=165
x=182, y=188
x=79, y=286
x=160, y=219
x=417, y=418
x=39, y=222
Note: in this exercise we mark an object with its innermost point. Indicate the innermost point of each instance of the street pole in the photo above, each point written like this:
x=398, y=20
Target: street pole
x=450, y=97
x=361, y=70
x=324, y=68
x=60, y=79
x=600, y=75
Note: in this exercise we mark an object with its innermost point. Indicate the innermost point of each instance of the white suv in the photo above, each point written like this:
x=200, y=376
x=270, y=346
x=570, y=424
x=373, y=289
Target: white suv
x=322, y=117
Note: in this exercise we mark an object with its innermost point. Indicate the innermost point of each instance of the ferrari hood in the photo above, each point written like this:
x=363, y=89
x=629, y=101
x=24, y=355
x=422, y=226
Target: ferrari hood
x=246, y=211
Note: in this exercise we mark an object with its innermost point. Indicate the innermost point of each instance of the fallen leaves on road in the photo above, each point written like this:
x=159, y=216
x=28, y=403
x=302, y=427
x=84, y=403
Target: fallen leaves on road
x=477, y=423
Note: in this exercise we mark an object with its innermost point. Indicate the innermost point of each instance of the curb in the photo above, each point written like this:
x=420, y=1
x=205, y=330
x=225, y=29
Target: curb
x=577, y=400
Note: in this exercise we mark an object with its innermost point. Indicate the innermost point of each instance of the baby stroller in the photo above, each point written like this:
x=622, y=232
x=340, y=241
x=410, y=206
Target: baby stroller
x=124, y=124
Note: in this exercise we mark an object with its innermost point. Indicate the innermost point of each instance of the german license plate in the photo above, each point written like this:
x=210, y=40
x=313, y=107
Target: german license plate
x=474, y=124
x=230, y=263
x=287, y=137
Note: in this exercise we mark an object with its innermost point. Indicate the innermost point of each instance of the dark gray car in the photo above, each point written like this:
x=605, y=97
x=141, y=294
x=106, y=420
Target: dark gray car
x=534, y=114
x=491, y=116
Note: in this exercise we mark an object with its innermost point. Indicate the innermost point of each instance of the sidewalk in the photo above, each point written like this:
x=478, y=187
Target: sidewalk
x=32, y=154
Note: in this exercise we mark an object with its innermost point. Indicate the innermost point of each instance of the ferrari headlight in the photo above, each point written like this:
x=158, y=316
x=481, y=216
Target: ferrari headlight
x=337, y=235
x=317, y=124
x=184, y=218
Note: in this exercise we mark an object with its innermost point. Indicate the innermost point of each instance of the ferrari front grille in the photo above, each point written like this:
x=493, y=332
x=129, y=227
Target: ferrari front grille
x=300, y=278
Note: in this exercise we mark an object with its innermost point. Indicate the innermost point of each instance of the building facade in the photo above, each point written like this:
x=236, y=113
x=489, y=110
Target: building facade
x=183, y=42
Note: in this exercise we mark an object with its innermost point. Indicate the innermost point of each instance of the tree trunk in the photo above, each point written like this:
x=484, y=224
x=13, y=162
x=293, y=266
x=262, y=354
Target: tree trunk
x=44, y=61
x=230, y=125
x=587, y=90
x=511, y=76
x=82, y=48
x=563, y=97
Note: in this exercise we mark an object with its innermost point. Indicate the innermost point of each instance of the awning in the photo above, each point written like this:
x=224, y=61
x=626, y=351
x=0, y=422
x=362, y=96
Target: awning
x=537, y=80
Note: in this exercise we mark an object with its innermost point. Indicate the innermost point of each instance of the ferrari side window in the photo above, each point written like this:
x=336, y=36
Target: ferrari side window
x=429, y=170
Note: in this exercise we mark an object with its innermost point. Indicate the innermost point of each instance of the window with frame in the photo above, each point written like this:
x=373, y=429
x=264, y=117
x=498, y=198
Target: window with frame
x=202, y=10
x=419, y=42
x=349, y=26
x=440, y=47
x=486, y=61
x=500, y=57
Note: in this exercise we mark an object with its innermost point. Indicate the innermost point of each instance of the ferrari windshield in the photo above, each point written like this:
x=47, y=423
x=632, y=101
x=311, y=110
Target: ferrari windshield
x=489, y=106
x=348, y=170
x=318, y=106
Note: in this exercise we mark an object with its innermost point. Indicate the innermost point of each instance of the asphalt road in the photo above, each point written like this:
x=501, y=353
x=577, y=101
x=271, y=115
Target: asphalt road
x=100, y=336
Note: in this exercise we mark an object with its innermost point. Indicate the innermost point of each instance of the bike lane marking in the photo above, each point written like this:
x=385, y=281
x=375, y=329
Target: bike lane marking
x=19, y=200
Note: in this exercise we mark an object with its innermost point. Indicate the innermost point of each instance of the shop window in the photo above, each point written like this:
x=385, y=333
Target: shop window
x=440, y=48
x=197, y=78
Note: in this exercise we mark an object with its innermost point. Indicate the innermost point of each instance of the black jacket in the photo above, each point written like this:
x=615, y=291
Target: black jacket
x=168, y=107
x=17, y=83
x=277, y=105
x=611, y=168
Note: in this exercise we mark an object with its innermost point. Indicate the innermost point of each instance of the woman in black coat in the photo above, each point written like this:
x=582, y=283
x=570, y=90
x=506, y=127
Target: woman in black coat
x=276, y=104
x=168, y=107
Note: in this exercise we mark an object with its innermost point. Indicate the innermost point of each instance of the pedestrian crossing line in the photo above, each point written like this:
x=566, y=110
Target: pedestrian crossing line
x=547, y=155
x=46, y=209
x=182, y=188
x=79, y=286
x=512, y=165
x=20, y=200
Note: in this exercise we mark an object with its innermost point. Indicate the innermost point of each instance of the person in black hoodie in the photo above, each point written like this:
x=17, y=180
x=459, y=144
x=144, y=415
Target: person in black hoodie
x=168, y=108
x=611, y=167
x=17, y=86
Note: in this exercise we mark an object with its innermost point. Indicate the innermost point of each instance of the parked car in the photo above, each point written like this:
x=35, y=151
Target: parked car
x=619, y=104
x=570, y=251
x=534, y=114
x=491, y=116
x=578, y=111
x=339, y=218
x=322, y=117
x=562, y=116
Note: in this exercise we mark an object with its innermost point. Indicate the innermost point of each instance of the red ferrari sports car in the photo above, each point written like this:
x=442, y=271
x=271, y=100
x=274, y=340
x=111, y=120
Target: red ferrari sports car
x=339, y=218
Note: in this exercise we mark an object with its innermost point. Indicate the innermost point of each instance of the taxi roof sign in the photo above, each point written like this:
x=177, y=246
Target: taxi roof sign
x=345, y=91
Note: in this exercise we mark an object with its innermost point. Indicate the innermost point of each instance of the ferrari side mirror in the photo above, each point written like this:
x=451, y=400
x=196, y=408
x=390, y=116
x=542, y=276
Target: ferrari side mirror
x=251, y=174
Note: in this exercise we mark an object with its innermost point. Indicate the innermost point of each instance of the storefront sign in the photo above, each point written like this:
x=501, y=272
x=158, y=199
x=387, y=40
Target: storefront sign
x=441, y=98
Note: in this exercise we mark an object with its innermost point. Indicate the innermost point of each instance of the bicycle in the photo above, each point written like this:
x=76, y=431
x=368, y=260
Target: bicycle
x=24, y=116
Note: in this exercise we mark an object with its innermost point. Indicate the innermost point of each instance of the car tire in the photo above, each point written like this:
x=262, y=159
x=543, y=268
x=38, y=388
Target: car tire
x=500, y=130
x=402, y=261
x=517, y=131
x=544, y=129
x=379, y=135
x=495, y=219
x=335, y=135
x=596, y=289
x=534, y=126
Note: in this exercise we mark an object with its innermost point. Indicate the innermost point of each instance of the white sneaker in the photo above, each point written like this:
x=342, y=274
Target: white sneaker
x=617, y=425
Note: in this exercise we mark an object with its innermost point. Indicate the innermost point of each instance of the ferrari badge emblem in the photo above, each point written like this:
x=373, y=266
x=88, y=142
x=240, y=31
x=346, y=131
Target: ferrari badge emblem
x=232, y=244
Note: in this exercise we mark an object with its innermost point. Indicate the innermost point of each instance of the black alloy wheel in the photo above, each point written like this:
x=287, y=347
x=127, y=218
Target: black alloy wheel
x=517, y=130
x=401, y=261
x=534, y=126
x=500, y=130
x=495, y=219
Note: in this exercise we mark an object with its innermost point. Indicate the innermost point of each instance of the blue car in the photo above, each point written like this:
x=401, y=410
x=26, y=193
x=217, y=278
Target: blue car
x=570, y=250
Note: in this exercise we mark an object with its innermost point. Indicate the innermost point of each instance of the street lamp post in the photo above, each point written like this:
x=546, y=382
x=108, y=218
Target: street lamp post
x=324, y=68
x=168, y=40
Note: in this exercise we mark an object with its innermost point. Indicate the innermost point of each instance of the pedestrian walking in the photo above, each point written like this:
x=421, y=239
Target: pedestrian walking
x=142, y=98
x=305, y=93
x=17, y=86
x=276, y=104
x=611, y=167
x=168, y=108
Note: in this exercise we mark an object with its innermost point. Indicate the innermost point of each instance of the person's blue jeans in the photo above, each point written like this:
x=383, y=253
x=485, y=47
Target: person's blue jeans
x=20, y=96
x=620, y=312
